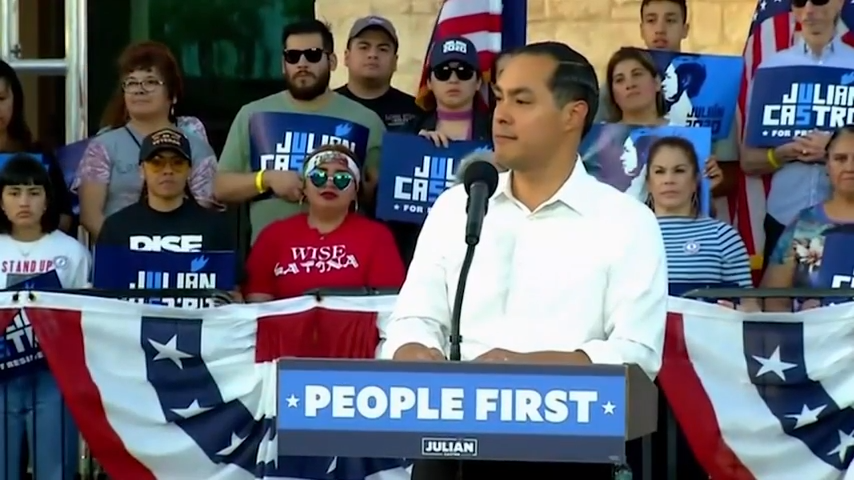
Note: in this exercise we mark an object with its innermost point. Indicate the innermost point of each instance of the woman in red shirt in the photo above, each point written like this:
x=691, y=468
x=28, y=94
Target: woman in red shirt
x=331, y=246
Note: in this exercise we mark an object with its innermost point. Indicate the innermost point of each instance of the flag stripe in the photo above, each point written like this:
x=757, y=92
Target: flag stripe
x=64, y=344
x=693, y=409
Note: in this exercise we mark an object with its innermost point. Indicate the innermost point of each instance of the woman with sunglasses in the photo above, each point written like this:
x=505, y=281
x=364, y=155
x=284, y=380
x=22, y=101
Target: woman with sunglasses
x=454, y=110
x=815, y=250
x=166, y=205
x=329, y=247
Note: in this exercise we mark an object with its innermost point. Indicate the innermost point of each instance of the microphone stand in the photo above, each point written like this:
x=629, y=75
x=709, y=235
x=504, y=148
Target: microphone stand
x=455, y=338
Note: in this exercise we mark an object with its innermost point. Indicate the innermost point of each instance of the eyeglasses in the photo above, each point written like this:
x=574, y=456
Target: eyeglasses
x=157, y=164
x=803, y=3
x=312, y=55
x=341, y=180
x=147, y=86
x=463, y=72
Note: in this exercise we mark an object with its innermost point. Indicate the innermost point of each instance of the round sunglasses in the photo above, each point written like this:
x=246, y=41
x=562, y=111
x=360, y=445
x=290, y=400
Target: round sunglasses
x=340, y=180
x=803, y=3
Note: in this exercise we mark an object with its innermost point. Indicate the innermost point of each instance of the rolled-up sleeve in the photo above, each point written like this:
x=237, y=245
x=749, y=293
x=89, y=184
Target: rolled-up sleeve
x=635, y=300
x=422, y=313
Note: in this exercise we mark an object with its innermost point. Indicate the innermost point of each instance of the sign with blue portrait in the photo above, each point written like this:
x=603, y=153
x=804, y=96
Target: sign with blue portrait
x=618, y=155
x=700, y=90
x=414, y=172
x=787, y=102
x=282, y=141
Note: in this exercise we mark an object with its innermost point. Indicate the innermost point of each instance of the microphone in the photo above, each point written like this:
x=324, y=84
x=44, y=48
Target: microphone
x=480, y=178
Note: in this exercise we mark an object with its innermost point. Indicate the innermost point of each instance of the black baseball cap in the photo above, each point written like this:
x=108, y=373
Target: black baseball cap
x=454, y=49
x=165, y=139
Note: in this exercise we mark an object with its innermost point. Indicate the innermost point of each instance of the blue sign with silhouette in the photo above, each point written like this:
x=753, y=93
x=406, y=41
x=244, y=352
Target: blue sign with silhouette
x=19, y=348
x=787, y=102
x=282, y=141
x=700, y=90
x=4, y=157
x=414, y=172
x=68, y=157
x=837, y=262
x=120, y=269
x=618, y=155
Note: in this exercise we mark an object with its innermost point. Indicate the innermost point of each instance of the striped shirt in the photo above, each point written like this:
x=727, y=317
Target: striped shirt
x=704, y=252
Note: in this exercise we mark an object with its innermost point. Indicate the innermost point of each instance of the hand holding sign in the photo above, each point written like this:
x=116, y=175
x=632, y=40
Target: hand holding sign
x=812, y=147
x=438, y=138
x=415, y=352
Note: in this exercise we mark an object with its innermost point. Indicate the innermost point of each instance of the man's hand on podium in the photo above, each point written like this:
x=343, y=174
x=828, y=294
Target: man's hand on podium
x=415, y=352
x=501, y=355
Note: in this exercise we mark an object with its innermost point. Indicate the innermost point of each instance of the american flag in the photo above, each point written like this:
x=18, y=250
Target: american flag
x=762, y=396
x=772, y=29
x=492, y=25
x=162, y=392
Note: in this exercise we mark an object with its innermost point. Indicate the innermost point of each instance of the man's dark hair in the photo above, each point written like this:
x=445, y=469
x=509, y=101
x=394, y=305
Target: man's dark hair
x=682, y=4
x=25, y=170
x=574, y=78
x=308, y=27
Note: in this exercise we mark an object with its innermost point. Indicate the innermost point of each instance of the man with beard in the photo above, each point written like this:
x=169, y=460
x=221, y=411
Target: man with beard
x=371, y=60
x=307, y=63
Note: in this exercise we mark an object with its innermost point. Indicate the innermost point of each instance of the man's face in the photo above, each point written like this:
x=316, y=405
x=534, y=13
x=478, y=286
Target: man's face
x=817, y=19
x=527, y=123
x=307, y=66
x=371, y=55
x=662, y=26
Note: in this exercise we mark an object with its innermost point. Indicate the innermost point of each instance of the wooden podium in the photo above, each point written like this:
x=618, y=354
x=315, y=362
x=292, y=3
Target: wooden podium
x=533, y=413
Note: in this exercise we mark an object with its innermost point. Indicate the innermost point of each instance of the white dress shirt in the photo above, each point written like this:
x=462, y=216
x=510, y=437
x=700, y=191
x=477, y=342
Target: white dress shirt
x=584, y=271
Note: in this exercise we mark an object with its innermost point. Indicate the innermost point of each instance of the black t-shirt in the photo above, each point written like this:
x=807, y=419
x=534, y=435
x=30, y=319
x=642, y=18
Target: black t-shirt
x=395, y=108
x=218, y=235
x=188, y=219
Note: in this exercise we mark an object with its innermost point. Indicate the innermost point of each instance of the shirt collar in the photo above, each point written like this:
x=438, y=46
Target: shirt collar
x=827, y=51
x=574, y=192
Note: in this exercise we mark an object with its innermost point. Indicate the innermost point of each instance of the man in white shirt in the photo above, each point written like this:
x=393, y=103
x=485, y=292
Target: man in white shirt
x=568, y=271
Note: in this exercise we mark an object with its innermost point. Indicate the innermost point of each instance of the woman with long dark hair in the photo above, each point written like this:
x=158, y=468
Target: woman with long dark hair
x=32, y=412
x=16, y=137
x=150, y=89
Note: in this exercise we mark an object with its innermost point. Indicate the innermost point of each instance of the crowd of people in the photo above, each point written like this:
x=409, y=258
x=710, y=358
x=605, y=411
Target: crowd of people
x=150, y=172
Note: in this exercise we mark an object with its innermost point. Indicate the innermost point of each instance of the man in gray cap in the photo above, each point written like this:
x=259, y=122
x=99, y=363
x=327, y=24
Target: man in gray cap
x=371, y=60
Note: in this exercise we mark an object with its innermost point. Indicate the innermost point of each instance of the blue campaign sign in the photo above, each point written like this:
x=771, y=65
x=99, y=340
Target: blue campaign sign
x=19, y=349
x=121, y=269
x=837, y=261
x=700, y=90
x=4, y=157
x=618, y=154
x=787, y=102
x=393, y=409
x=282, y=141
x=68, y=157
x=414, y=172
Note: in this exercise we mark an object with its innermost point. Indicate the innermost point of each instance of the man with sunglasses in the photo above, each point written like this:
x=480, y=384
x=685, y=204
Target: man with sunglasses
x=166, y=205
x=799, y=178
x=371, y=60
x=308, y=58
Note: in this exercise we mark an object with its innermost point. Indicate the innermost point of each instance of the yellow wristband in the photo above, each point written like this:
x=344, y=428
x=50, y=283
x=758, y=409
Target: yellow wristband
x=259, y=182
x=771, y=159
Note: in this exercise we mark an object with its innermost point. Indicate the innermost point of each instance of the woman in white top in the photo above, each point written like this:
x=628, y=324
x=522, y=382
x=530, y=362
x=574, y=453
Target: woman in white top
x=636, y=97
x=34, y=254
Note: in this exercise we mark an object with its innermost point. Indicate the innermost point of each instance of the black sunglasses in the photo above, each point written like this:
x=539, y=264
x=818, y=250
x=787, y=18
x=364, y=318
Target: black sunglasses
x=341, y=180
x=312, y=55
x=803, y=3
x=463, y=72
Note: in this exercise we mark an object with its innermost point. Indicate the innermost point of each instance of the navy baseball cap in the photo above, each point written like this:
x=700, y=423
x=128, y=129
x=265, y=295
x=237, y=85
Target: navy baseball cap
x=454, y=49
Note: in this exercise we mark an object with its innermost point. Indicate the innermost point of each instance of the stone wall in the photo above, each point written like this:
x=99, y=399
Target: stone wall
x=595, y=27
